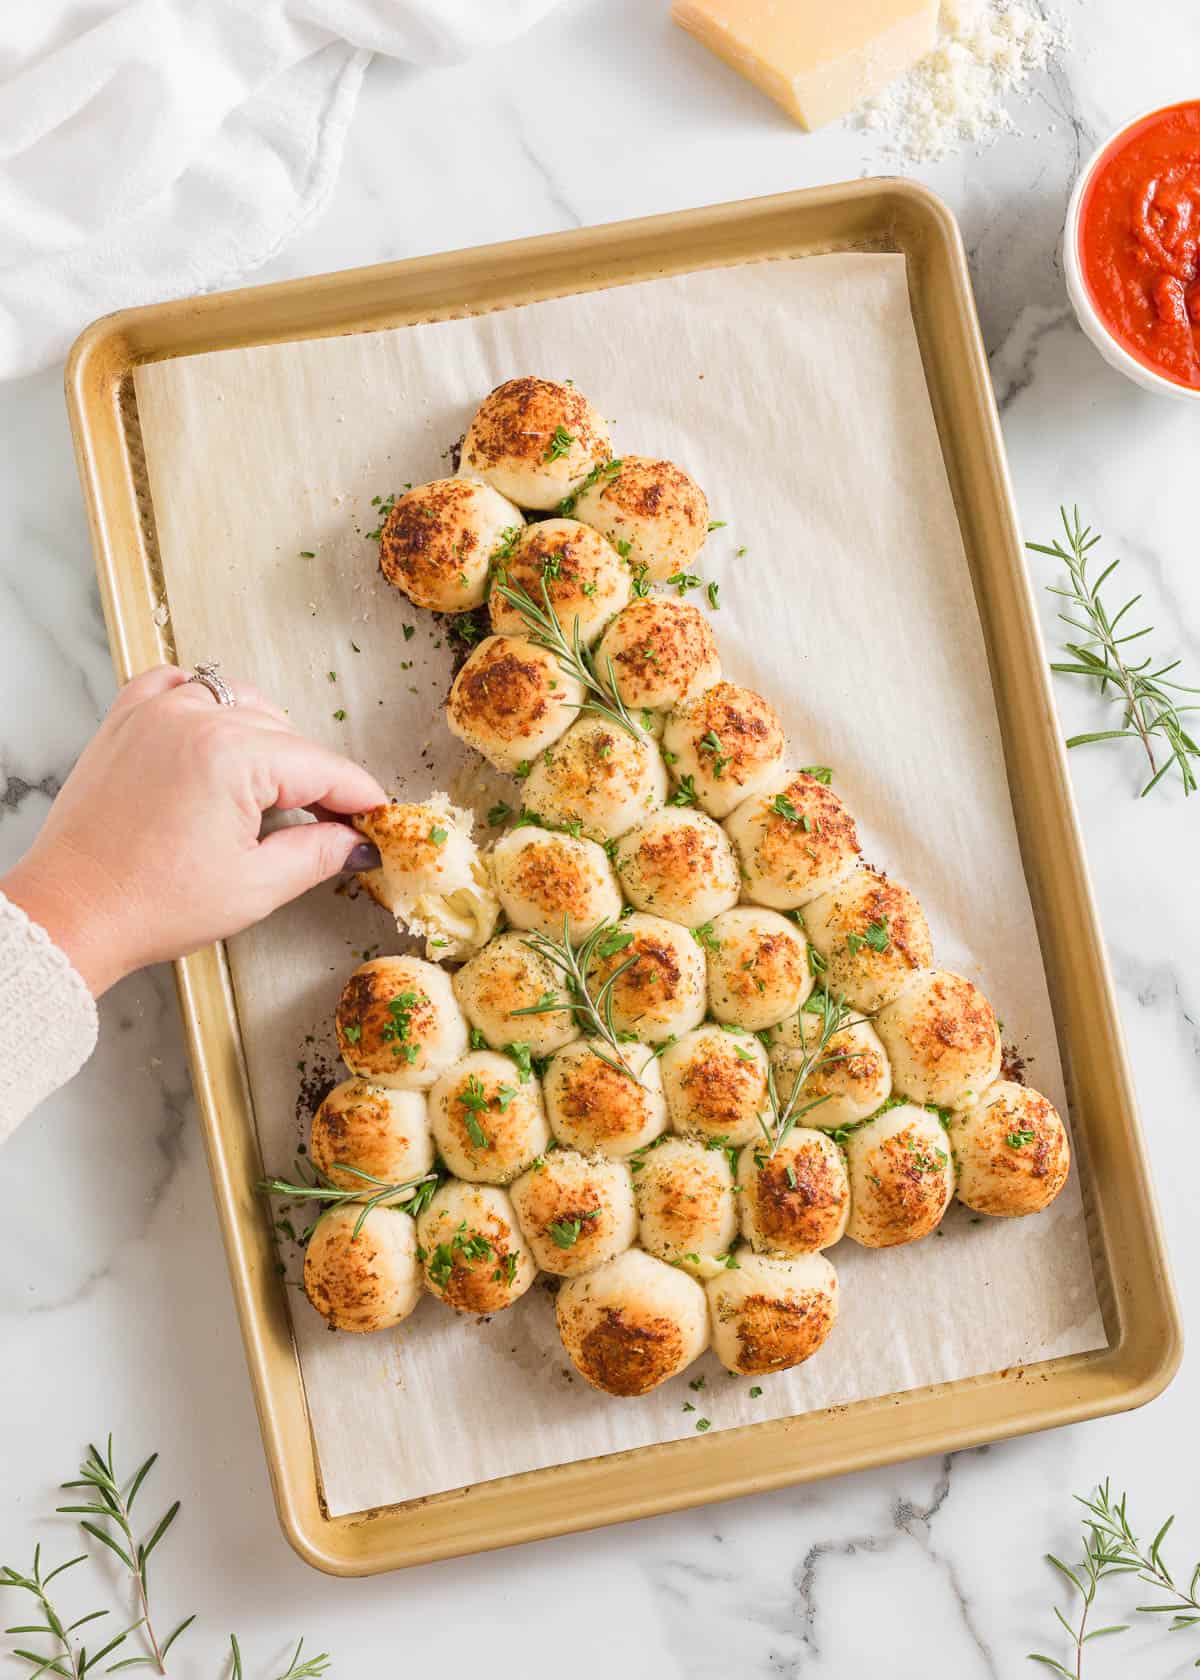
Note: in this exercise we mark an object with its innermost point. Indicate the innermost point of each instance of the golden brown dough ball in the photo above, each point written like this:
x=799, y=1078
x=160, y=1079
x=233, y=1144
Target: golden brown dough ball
x=632, y=1324
x=398, y=1023
x=1012, y=1151
x=724, y=744
x=474, y=1255
x=678, y=864
x=598, y=780
x=364, y=1283
x=546, y=879
x=592, y=1106
x=373, y=1129
x=584, y=578
x=534, y=441
x=653, y=511
x=686, y=1209
x=758, y=969
x=796, y=1200
x=511, y=700
x=437, y=541
x=794, y=840
x=901, y=1177
x=769, y=1314
x=576, y=1211
x=662, y=651
x=505, y=978
x=661, y=992
x=852, y=1075
x=487, y=1122
x=715, y=1080
x=942, y=1039
x=432, y=877
x=871, y=935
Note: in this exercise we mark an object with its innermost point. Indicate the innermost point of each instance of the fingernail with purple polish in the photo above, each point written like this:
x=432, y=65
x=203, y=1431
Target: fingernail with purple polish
x=362, y=857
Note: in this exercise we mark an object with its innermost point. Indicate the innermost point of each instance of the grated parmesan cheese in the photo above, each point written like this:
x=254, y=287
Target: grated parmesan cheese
x=956, y=95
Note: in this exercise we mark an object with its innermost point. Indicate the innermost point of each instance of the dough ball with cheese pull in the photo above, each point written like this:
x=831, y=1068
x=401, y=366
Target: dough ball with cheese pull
x=872, y=937
x=686, y=1209
x=487, y=1122
x=769, y=1314
x=545, y=878
x=794, y=840
x=475, y=1258
x=942, y=1039
x=851, y=1076
x=366, y=1282
x=724, y=744
x=593, y=1106
x=652, y=511
x=796, y=1200
x=398, y=1023
x=715, y=1081
x=437, y=541
x=535, y=441
x=758, y=970
x=598, y=780
x=431, y=877
x=632, y=1324
x=576, y=1211
x=678, y=864
x=1012, y=1151
x=505, y=978
x=901, y=1177
x=663, y=652
x=372, y=1130
x=584, y=578
x=660, y=991
x=511, y=700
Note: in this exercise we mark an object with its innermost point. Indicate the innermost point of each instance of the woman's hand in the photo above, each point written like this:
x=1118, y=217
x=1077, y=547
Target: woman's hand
x=152, y=848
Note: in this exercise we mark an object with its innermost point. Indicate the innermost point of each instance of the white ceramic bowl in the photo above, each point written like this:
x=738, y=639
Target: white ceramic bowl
x=1089, y=318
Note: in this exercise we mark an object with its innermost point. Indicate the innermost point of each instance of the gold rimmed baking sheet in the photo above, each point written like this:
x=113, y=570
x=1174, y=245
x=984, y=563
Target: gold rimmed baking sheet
x=878, y=216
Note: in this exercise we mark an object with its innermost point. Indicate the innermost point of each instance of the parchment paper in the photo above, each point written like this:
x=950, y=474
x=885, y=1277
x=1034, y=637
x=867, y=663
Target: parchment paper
x=794, y=391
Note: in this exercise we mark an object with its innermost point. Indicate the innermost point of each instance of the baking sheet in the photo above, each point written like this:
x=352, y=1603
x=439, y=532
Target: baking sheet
x=794, y=391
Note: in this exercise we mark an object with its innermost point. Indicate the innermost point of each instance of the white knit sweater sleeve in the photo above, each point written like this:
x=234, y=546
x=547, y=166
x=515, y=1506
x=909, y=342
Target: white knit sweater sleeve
x=48, y=1022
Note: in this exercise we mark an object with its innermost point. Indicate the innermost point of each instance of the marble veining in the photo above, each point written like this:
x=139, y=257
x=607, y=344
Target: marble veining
x=114, y=1311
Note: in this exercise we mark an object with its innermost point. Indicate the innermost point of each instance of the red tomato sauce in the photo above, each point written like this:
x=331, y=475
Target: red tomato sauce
x=1139, y=241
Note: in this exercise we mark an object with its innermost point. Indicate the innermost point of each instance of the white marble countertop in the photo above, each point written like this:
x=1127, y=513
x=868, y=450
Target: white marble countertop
x=113, y=1303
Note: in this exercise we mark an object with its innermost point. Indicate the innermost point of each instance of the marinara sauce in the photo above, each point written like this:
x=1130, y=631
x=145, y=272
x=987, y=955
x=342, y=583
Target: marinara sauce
x=1139, y=241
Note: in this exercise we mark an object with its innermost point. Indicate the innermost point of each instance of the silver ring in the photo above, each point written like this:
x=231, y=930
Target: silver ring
x=206, y=674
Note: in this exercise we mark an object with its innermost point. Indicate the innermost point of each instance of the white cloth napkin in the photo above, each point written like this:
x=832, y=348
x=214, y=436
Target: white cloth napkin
x=153, y=148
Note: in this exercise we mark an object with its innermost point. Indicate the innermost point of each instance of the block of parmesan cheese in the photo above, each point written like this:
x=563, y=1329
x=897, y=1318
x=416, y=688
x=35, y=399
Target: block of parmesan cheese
x=817, y=58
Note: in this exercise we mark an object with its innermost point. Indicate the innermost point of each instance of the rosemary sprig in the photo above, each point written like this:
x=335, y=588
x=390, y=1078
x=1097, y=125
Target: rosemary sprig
x=69, y=1660
x=593, y=1013
x=544, y=627
x=113, y=1506
x=1149, y=712
x=835, y=1017
x=296, y=1670
x=413, y=1194
x=1111, y=1547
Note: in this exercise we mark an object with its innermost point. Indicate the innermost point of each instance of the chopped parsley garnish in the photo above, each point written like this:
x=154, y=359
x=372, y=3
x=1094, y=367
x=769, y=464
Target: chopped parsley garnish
x=522, y=770
x=409, y=632
x=614, y=942
x=816, y=962
x=560, y=443
x=396, y=1028
x=352, y=1034
x=1016, y=1140
x=565, y=1232
x=340, y=715
x=819, y=773
x=474, y=1099
x=438, y=835
x=711, y=742
x=713, y=591
x=683, y=581
x=498, y=814
x=717, y=524
x=876, y=937
x=783, y=807
x=702, y=1424
x=685, y=793
x=705, y=937
x=755, y=1392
